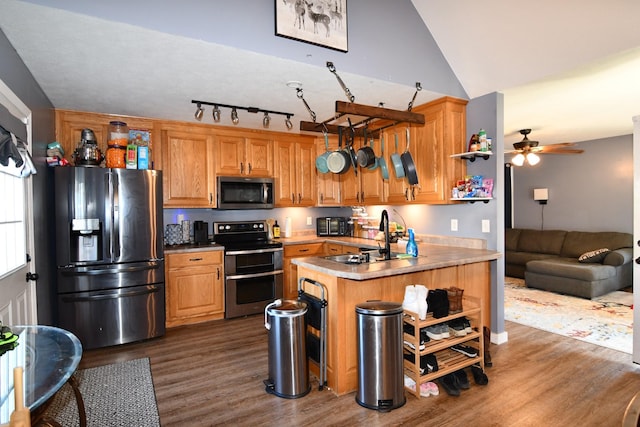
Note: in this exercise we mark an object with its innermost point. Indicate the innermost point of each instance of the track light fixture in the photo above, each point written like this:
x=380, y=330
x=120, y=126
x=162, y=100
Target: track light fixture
x=234, y=113
x=199, y=112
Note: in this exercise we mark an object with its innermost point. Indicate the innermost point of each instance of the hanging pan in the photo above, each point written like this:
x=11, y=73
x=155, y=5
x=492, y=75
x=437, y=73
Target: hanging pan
x=321, y=160
x=339, y=161
x=376, y=160
x=382, y=162
x=396, y=161
x=408, y=165
x=366, y=156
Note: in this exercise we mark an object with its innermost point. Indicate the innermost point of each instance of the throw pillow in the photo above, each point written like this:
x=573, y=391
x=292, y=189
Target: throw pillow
x=594, y=256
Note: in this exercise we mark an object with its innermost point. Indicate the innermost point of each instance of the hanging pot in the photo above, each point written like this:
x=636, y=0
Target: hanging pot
x=376, y=160
x=366, y=156
x=339, y=161
x=408, y=165
x=321, y=160
x=382, y=162
x=396, y=161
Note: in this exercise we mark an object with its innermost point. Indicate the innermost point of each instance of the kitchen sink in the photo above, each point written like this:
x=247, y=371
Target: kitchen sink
x=361, y=258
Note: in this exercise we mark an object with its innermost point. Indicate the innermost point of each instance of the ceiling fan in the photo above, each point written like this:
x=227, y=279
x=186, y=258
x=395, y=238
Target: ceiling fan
x=528, y=150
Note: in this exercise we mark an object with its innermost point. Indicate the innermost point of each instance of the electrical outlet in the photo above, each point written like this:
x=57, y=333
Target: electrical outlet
x=309, y=220
x=454, y=225
x=486, y=226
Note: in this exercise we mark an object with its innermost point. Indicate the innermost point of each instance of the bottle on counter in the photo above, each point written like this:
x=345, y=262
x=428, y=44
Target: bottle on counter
x=412, y=247
x=482, y=140
x=276, y=230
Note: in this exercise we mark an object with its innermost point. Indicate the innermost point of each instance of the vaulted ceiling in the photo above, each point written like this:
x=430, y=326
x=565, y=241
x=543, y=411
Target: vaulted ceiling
x=567, y=69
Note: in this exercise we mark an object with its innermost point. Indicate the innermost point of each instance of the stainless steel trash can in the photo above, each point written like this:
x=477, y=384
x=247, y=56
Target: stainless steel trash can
x=288, y=366
x=380, y=369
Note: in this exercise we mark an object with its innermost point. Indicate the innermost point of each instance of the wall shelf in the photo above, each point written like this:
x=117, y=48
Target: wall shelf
x=471, y=155
x=472, y=199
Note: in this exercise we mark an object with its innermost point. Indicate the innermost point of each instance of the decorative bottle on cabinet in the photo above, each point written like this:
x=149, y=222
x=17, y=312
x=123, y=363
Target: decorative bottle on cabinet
x=412, y=247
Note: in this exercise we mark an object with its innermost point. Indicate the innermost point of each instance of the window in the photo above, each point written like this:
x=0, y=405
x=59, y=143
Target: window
x=12, y=224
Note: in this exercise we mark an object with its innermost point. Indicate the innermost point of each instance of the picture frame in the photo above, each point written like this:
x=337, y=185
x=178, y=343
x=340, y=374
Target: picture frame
x=319, y=22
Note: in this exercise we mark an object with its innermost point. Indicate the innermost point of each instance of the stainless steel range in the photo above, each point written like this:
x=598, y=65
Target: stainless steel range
x=252, y=266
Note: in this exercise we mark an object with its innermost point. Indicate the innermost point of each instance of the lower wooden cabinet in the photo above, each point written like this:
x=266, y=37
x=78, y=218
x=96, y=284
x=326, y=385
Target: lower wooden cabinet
x=194, y=287
x=291, y=270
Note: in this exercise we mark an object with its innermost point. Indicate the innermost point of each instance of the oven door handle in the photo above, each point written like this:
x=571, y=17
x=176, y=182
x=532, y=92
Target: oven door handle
x=251, y=276
x=253, y=251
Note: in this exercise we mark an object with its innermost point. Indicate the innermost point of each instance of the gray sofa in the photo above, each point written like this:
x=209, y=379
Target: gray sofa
x=548, y=259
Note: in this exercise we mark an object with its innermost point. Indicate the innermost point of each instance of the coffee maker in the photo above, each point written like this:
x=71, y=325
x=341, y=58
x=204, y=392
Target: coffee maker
x=201, y=232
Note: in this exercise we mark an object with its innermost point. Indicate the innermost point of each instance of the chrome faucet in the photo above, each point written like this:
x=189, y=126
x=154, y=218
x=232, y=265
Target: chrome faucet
x=384, y=227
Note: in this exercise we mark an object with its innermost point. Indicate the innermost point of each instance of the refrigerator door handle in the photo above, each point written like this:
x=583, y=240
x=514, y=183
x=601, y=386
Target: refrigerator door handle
x=94, y=271
x=111, y=295
x=115, y=232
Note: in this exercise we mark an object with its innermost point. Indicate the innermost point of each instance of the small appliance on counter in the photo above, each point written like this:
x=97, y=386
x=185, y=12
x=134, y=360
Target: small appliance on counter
x=333, y=226
x=201, y=232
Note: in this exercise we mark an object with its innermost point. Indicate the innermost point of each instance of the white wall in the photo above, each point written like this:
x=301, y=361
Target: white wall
x=592, y=191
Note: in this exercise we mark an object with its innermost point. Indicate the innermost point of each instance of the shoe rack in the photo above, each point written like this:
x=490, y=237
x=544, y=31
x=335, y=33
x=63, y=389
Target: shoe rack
x=448, y=360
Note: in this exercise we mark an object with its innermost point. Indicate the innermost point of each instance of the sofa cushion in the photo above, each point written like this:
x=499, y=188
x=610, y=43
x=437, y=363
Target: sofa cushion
x=511, y=237
x=578, y=242
x=618, y=257
x=571, y=268
x=594, y=256
x=543, y=241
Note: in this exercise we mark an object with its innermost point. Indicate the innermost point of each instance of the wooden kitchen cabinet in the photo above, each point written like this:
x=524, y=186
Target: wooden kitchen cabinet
x=397, y=190
x=328, y=184
x=365, y=187
x=291, y=270
x=194, y=287
x=188, y=170
x=238, y=155
x=442, y=135
x=295, y=173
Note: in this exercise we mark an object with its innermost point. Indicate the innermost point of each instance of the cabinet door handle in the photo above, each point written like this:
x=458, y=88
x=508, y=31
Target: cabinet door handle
x=241, y=168
x=299, y=198
x=303, y=250
x=293, y=198
x=195, y=259
x=362, y=197
x=406, y=194
x=210, y=198
x=321, y=198
x=218, y=271
x=249, y=168
x=413, y=193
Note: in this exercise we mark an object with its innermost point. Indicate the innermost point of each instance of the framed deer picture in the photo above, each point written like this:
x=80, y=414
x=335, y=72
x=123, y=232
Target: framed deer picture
x=319, y=22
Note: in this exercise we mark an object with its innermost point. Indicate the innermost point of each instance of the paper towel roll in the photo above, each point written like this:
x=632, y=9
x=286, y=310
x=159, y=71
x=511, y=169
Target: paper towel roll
x=287, y=227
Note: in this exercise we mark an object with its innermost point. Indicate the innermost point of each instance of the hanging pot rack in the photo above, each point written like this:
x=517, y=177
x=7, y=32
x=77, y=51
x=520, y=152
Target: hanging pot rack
x=360, y=118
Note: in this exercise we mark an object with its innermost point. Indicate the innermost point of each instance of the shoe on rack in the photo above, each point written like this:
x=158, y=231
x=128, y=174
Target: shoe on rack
x=478, y=375
x=424, y=338
x=410, y=302
x=465, y=349
x=409, y=382
x=421, y=296
x=457, y=328
x=413, y=347
x=462, y=379
x=450, y=385
x=444, y=330
x=434, y=332
x=431, y=387
x=430, y=363
x=467, y=325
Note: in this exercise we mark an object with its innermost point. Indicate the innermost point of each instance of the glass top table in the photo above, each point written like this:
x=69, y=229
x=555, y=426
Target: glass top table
x=48, y=355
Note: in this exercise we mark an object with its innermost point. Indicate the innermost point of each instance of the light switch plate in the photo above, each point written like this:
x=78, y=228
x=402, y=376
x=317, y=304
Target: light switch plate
x=454, y=225
x=486, y=226
x=309, y=220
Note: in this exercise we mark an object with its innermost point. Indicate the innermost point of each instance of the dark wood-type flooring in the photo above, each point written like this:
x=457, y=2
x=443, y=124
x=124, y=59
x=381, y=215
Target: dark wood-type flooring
x=212, y=374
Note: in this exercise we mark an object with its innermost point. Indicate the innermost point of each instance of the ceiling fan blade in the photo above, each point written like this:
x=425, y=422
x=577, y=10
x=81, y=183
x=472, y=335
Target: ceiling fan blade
x=561, y=151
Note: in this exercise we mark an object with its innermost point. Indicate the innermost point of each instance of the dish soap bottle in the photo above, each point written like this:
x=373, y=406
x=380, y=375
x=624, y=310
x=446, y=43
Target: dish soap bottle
x=276, y=230
x=412, y=247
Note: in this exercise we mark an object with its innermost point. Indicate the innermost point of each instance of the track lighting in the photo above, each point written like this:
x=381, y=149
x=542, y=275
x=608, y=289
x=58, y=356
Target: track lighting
x=266, y=120
x=199, y=112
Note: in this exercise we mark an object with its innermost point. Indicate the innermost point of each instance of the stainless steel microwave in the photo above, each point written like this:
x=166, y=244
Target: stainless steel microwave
x=235, y=192
x=333, y=226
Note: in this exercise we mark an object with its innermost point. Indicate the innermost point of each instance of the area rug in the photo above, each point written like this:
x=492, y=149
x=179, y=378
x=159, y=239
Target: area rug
x=115, y=395
x=606, y=321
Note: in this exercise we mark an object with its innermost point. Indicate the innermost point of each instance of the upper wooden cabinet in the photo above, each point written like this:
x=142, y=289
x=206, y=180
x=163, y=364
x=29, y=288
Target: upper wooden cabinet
x=188, y=174
x=295, y=172
x=241, y=156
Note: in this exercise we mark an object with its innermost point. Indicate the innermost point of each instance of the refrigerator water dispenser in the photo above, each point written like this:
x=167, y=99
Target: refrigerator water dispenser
x=86, y=239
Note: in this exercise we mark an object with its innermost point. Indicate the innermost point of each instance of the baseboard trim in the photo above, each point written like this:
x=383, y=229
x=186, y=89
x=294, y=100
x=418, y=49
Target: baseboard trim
x=500, y=338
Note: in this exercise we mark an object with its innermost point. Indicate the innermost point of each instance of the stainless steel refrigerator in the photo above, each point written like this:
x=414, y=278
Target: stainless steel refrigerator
x=109, y=253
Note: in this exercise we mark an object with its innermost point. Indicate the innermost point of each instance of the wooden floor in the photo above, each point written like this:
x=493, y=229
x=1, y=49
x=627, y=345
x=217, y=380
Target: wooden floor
x=212, y=374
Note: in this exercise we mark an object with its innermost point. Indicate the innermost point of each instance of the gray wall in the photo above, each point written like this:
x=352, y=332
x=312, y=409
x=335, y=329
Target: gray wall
x=15, y=74
x=592, y=191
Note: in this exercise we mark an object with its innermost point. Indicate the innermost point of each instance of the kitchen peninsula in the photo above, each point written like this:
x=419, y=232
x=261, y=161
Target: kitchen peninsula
x=347, y=285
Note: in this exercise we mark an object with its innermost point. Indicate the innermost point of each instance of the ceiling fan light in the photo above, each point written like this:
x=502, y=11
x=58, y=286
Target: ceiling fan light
x=518, y=159
x=533, y=159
